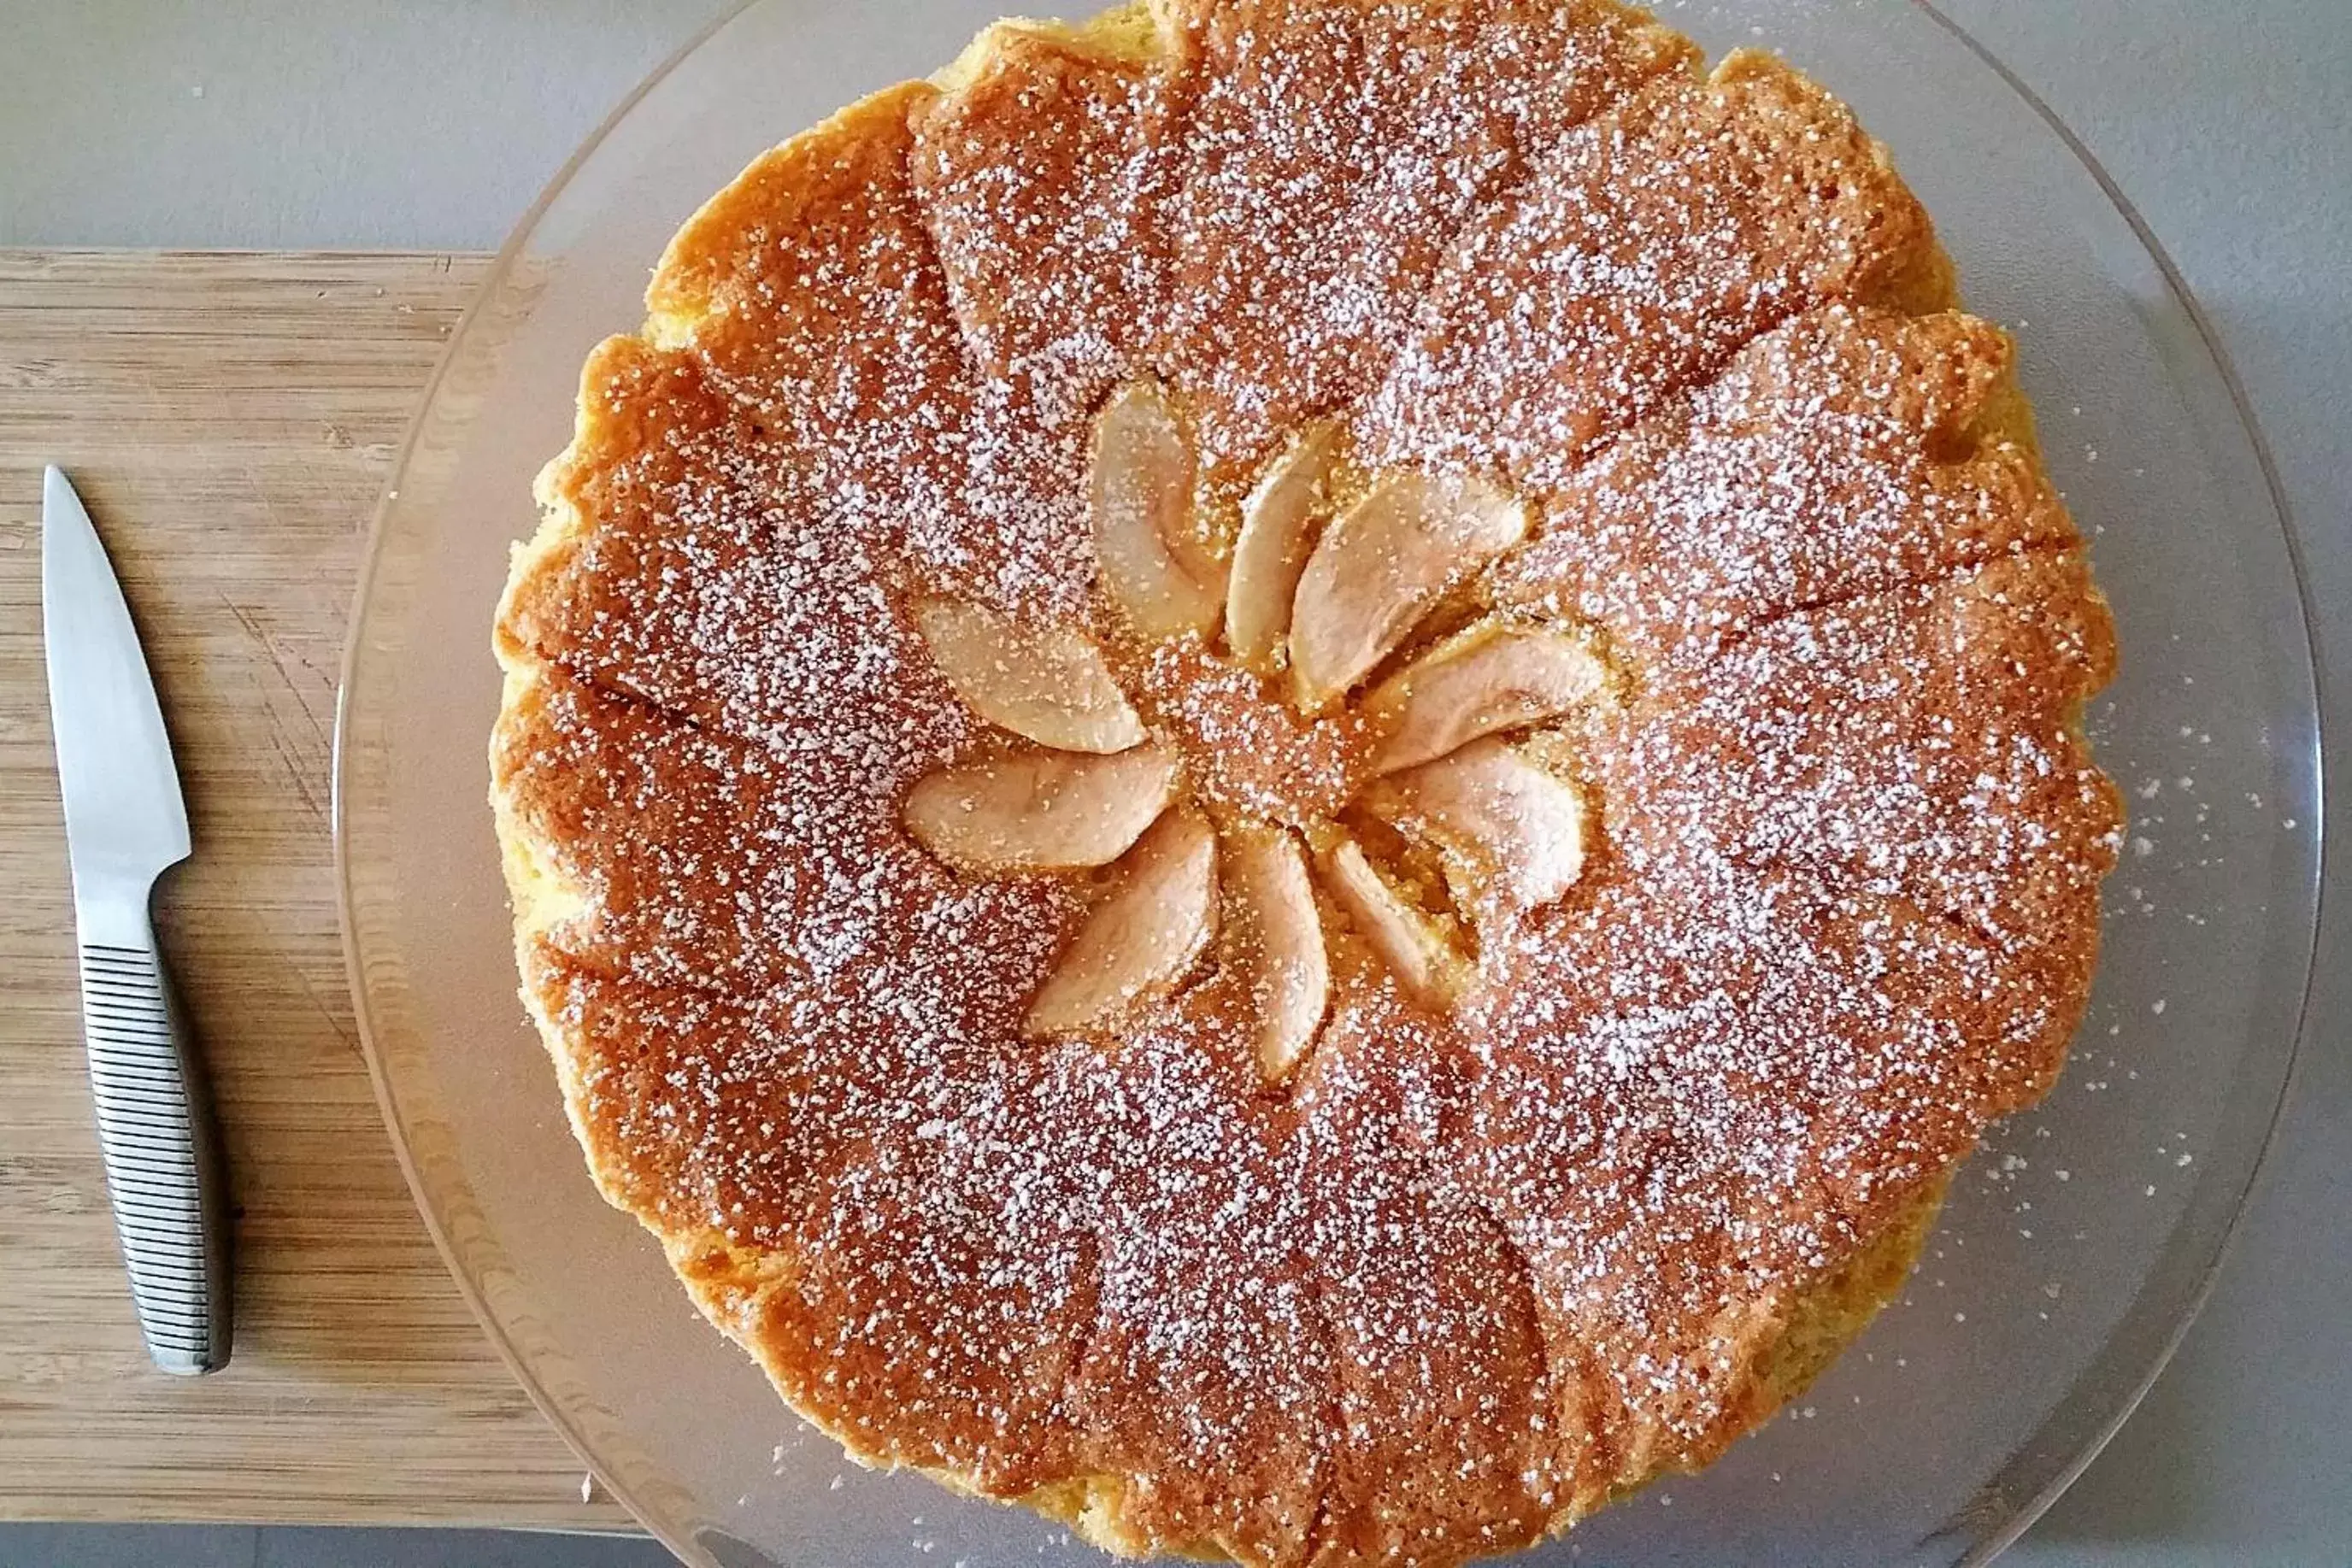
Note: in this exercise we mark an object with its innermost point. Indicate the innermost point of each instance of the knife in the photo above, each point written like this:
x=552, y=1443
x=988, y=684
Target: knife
x=125, y=825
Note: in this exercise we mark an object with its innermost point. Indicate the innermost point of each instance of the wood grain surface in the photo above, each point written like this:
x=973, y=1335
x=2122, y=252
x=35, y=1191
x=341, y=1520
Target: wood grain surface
x=230, y=420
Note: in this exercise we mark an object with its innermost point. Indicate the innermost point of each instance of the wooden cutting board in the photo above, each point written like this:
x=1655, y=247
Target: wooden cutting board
x=230, y=420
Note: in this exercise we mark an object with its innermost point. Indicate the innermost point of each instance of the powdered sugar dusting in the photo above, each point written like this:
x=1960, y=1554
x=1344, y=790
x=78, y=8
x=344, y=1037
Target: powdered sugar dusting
x=1705, y=520
x=1327, y=153
x=1473, y=1271
x=1642, y=254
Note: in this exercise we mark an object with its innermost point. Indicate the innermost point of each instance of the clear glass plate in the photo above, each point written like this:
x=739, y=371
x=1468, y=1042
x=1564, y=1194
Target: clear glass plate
x=2075, y=1247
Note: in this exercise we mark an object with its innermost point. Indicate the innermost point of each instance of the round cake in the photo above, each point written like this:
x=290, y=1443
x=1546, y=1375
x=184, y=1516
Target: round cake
x=1286, y=773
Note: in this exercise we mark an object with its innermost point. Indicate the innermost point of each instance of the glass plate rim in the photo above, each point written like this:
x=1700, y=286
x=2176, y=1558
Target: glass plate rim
x=2308, y=674
x=2310, y=671
x=486, y=289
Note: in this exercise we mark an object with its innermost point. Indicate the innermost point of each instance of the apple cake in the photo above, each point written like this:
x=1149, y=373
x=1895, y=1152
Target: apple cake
x=1286, y=773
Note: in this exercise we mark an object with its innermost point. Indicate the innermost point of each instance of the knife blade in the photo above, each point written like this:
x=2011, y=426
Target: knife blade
x=126, y=824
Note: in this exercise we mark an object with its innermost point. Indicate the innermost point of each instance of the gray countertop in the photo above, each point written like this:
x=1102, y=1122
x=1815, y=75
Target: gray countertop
x=272, y=123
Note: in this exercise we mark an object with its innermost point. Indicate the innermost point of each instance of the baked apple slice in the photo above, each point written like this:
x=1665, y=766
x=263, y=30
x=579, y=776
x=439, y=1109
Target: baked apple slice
x=1041, y=810
x=1138, y=942
x=1410, y=944
x=1279, y=519
x=1492, y=676
x=1275, y=934
x=1050, y=686
x=1512, y=832
x=1139, y=497
x=1384, y=565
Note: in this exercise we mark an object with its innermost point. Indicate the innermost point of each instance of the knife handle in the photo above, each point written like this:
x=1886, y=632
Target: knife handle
x=163, y=1154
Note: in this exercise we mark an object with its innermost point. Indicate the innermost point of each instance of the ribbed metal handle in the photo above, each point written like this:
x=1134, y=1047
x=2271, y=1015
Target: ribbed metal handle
x=163, y=1165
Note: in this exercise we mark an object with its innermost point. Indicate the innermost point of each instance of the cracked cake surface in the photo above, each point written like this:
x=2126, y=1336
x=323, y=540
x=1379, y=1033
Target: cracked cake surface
x=1287, y=775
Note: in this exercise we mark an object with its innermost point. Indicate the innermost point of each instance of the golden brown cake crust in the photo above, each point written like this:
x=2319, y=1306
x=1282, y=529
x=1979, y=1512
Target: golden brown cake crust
x=1632, y=1155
